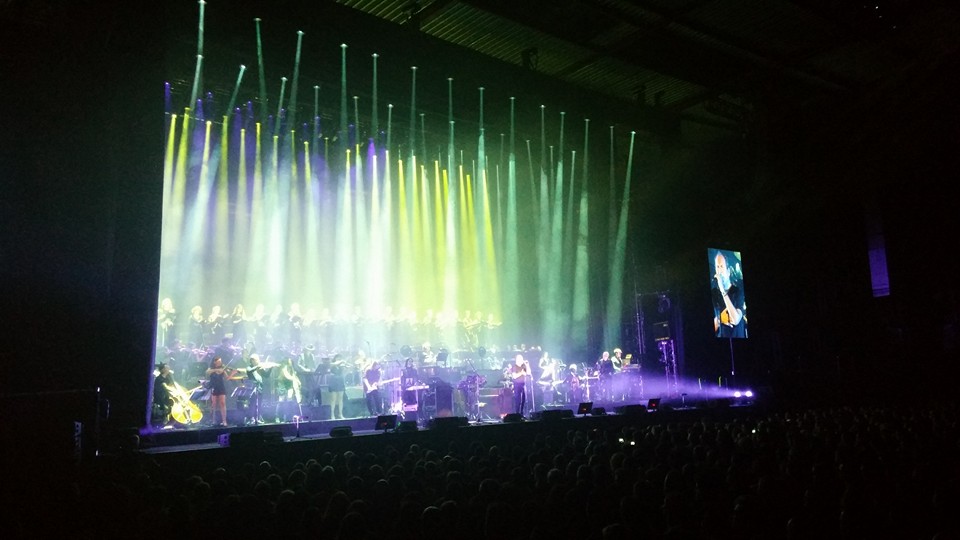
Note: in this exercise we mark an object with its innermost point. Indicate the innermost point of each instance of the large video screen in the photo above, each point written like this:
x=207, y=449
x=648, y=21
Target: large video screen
x=727, y=293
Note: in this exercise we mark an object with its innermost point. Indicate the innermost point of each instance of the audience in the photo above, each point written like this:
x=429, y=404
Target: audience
x=827, y=473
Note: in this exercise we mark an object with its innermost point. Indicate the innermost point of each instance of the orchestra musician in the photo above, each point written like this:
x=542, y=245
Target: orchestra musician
x=217, y=377
x=197, y=323
x=166, y=319
x=238, y=324
x=214, y=325
x=162, y=400
x=371, y=387
x=518, y=372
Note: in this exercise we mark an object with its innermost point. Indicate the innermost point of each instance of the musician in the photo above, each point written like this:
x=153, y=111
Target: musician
x=214, y=325
x=225, y=349
x=166, y=319
x=519, y=372
x=548, y=368
x=294, y=325
x=291, y=380
x=238, y=324
x=336, y=387
x=426, y=354
x=261, y=329
x=729, y=305
x=617, y=360
x=606, y=370
x=571, y=385
x=197, y=324
x=409, y=378
x=292, y=390
x=308, y=360
x=255, y=373
x=217, y=377
x=162, y=400
x=371, y=385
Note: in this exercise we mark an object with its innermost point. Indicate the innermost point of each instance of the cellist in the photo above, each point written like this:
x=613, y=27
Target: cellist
x=162, y=400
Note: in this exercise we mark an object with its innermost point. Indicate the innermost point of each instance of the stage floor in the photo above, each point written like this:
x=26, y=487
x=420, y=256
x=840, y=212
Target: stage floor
x=204, y=437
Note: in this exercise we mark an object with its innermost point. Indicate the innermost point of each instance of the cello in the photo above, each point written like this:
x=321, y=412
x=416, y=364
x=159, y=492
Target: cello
x=183, y=410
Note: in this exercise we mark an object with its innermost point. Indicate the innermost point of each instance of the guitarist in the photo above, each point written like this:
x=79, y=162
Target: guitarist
x=371, y=386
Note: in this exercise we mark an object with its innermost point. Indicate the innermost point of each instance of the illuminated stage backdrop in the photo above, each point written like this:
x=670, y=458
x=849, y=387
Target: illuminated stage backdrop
x=370, y=243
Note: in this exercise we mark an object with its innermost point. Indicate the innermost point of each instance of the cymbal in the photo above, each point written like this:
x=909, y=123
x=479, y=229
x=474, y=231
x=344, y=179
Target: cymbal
x=420, y=387
x=235, y=378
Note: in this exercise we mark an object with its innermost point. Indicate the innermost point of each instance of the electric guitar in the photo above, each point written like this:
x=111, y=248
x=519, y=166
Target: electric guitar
x=370, y=387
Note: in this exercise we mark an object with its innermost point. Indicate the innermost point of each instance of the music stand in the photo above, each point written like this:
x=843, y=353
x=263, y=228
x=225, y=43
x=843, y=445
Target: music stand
x=386, y=422
x=584, y=408
x=200, y=394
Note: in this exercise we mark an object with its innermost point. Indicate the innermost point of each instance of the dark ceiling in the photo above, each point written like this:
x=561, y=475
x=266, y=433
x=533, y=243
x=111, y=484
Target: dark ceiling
x=708, y=61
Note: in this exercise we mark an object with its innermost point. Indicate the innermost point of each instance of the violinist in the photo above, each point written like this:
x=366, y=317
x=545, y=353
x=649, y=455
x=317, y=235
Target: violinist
x=217, y=376
x=291, y=380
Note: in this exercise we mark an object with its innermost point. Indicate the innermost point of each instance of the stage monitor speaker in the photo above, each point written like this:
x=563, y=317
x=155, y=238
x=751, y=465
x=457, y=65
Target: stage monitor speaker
x=341, y=431
x=598, y=411
x=513, y=418
x=407, y=426
x=448, y=422
x=386, y=422
x=653, y=405
x=631, y=410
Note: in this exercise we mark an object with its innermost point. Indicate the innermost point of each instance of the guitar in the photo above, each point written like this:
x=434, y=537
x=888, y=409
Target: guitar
x=370, y=387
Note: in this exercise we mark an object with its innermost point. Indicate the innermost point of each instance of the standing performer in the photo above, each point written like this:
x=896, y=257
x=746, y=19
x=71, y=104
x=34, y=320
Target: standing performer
x=336, y=387
x=166, y=321
x=238, y=325
x=217, y=376
x=571, y=385
x=254, y=373
x=371, y=386
x=519, y=372
x=606, y=369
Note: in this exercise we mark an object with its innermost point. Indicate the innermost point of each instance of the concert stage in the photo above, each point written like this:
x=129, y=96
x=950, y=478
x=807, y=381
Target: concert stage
x=289, y=442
